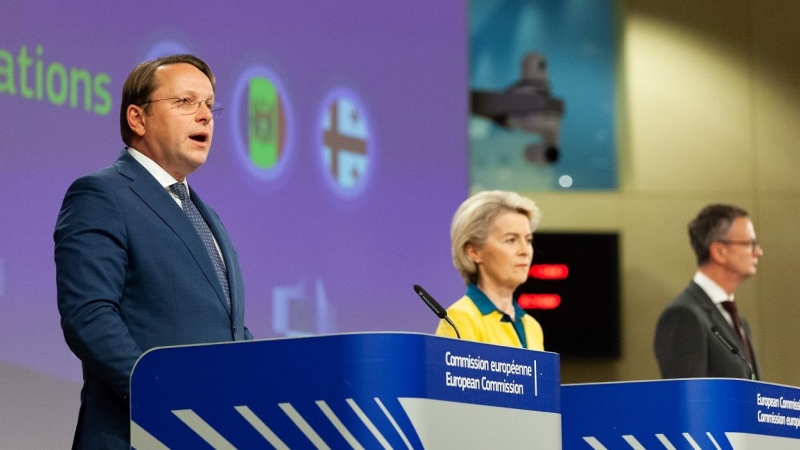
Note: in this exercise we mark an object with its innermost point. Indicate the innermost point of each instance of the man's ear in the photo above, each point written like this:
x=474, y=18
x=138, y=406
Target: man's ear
x=718, y=252
x=136, y=119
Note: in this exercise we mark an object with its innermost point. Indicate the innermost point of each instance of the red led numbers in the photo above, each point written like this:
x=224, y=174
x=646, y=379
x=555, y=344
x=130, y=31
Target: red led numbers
x=539, y=301
x=549, y=271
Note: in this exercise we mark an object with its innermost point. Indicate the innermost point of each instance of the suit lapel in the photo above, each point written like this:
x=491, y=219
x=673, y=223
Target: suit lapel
x=146, y=187
x=714, y=315
x=718, y=320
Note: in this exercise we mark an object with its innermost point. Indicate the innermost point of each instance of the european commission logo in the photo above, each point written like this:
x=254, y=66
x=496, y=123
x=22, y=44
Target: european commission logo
x=262, y=131
x=346, y=144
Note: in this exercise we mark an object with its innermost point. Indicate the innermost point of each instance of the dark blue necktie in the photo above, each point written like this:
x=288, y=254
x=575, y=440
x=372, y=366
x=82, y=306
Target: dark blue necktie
x=205, y=234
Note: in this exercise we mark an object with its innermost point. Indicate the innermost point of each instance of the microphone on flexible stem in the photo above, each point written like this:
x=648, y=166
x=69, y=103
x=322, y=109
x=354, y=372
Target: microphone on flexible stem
x=733, y=350
x=435, y=306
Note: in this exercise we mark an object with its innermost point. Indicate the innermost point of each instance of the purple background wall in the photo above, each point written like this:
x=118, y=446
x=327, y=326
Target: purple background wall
x=338, y=260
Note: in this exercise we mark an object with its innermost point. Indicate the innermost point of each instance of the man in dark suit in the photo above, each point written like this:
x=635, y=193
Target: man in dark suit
x=700, y=333
x=141, y=261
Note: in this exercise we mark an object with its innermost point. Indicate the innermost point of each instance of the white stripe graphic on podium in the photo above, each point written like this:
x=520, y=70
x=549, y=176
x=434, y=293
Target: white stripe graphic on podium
x=203, y=429
x=394, y=423
x=346, y=434
x=261, y=427
x=594, y=443
x=714, y=441
x=142, y=440
x=303, y=426
x=371, y=426
x=667, y=444
x=691, y=441
x=635, y=445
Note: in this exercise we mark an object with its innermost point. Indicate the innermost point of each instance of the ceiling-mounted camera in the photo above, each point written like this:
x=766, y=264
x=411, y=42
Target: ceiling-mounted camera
x=527, y=105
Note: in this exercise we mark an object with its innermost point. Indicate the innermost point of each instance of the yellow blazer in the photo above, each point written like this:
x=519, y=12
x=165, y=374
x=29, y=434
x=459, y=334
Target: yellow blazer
x=477, y=319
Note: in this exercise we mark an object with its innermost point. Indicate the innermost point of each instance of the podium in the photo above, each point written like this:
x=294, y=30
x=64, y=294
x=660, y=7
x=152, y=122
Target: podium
x=361, y=390
x=676, y=414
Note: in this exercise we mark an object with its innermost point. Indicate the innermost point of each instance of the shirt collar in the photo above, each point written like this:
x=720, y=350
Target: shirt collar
x=162, y=176
x=711, y=288
x=485, y=306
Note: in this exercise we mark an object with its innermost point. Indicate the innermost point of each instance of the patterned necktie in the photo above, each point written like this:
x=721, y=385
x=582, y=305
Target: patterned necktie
x=205, y=234
x=730, y=306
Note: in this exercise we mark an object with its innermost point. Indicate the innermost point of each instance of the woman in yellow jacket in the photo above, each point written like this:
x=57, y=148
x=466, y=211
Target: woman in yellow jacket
x=492, y=244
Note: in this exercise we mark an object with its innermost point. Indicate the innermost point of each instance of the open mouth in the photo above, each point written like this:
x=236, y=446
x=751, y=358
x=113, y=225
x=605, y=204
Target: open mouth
x=199, y=137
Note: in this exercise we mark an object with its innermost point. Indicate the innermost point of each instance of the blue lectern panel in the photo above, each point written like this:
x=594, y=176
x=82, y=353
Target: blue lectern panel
x=691, y=414
x=337, y=391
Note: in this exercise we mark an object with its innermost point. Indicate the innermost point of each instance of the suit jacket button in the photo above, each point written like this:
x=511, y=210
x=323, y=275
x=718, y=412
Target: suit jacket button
x=234, y=329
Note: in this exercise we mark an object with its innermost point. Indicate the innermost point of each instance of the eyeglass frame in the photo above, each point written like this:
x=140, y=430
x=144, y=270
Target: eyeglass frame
x=185, y=102
x=752, y=243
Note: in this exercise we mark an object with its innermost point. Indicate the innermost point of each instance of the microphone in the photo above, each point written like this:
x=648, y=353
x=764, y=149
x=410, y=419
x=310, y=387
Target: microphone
x=733, y=350
x=435, y=307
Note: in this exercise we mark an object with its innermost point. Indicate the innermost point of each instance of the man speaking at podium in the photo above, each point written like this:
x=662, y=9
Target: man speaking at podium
x=700, y=334
x=141, y=261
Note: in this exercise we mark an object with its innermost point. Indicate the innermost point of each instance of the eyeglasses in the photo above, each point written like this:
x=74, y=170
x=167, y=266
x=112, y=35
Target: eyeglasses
x=752, y=243
x=185, y=106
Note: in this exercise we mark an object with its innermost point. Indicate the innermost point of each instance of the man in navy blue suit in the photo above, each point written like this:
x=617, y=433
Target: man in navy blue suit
x=141, y=261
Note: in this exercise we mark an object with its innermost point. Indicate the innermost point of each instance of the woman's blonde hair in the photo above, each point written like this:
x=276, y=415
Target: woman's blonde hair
x=472, y=222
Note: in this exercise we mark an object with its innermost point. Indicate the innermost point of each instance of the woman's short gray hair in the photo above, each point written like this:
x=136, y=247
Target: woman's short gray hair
x=472, y=222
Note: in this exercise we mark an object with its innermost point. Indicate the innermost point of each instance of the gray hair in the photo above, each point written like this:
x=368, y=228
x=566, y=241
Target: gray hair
x=711, y=224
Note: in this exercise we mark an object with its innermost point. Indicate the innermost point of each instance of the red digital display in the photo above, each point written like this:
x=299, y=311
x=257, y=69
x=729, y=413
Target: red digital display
x=572, y=290
x=549, y=271
x=539, y=301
